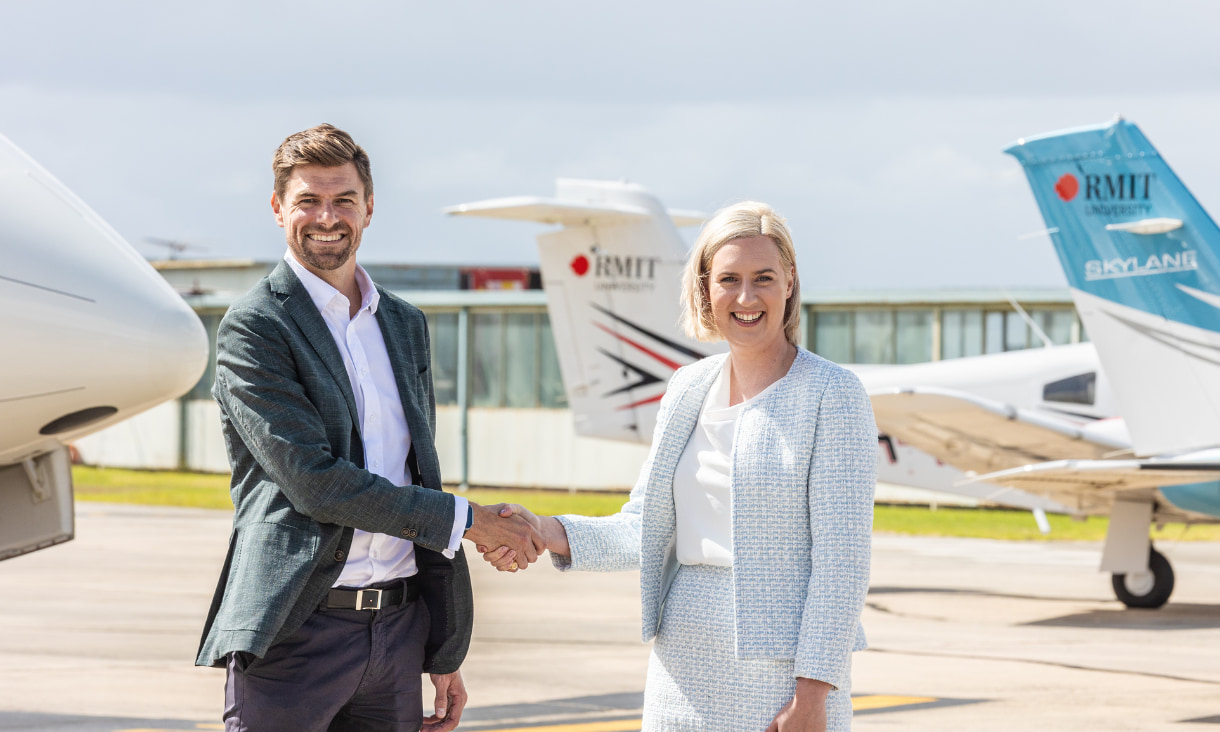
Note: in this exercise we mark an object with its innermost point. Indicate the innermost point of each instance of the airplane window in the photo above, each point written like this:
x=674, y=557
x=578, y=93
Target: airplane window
x=1079, y=389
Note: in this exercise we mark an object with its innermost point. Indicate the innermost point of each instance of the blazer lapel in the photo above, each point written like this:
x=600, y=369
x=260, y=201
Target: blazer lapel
x=659, y=495
x=301, y=308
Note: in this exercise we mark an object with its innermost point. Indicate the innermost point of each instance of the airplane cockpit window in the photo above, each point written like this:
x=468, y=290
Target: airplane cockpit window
x=1079, y=389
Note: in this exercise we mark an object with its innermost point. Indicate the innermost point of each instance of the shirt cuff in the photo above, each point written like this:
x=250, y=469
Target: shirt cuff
x=460, y=510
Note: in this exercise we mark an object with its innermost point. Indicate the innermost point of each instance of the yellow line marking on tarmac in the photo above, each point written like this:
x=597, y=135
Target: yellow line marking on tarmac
x=881, y=701
x=621, y=725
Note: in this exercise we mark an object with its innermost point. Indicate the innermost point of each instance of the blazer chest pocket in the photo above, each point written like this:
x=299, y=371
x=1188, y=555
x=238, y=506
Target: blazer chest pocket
x=271, y=564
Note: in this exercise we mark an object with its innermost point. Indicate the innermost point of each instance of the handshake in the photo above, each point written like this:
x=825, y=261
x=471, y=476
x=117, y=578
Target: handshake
x=510, y=537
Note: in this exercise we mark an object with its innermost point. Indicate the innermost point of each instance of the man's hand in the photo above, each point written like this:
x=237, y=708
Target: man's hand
x=807, y=710
x=450, y=701
x=492, y=527
x=554, y=537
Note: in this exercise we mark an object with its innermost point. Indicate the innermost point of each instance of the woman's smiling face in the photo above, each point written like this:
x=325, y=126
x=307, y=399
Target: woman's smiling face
x=748, y=287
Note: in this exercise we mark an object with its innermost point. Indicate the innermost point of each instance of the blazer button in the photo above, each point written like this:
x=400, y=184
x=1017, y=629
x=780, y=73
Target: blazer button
x=340, y=556
x=409, y=533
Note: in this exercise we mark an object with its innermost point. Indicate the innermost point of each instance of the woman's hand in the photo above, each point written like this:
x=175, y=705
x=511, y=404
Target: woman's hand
x=553, y=534
x=807, y=710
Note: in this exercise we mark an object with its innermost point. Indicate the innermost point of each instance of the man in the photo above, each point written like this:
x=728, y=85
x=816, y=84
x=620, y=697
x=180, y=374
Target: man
x=345, y=577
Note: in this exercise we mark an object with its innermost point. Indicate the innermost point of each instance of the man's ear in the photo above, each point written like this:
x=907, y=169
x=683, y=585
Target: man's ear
x=275, y=206
x=368, y=211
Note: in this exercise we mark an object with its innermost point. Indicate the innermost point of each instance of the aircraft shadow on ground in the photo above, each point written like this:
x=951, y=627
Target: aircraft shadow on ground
x=1109, y=613
x=80, y=723
x=980, y=593
x=1174, y=616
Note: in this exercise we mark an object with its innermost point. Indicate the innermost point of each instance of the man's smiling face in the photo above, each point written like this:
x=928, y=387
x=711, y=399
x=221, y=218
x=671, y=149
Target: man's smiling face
x=323, y=213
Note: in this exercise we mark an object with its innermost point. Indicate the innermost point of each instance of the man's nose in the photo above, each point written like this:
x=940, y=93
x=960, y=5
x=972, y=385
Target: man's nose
x=326, y=213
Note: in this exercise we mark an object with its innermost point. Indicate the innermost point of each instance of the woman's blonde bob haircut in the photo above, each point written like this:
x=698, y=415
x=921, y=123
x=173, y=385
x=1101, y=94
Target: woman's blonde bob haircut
x=739, y=221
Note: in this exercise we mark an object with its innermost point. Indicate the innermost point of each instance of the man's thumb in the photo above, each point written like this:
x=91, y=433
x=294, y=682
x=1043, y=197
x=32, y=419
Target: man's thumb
x=439, y=705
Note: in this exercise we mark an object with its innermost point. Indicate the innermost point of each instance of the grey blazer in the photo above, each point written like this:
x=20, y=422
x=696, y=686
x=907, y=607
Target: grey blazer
x=804, y=466
x=299, y=484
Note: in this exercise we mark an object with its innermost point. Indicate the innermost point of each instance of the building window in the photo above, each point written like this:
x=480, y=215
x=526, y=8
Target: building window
x=443, y=333
x=913, y=336
x=487, y=359
x=513, y=361
x=1056, y=324
x=520, y=359
x=961, y=333
x=993, y=332
x=832, y=335
x=550, y=383
x=203, y=387
x=874, y=336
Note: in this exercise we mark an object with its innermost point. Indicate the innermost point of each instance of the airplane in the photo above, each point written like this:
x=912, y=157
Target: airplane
x=93, y=336
x=1141, y=258
x=612, y=274
x=1056, y=451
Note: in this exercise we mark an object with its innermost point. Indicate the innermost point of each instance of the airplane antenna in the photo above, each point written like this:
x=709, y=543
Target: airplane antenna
x=174, y=246
x=1046, y=342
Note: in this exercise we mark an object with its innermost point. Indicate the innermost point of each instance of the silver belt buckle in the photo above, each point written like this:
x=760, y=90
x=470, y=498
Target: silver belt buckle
x=374, y=599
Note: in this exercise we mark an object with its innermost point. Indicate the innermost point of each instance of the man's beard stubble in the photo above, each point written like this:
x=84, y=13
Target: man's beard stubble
x=325, y=260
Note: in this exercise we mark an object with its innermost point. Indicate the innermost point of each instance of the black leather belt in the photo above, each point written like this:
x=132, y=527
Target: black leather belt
x=372, y=598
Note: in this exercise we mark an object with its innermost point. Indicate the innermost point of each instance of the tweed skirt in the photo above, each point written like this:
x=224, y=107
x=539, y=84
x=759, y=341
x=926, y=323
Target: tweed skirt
x=695, y=681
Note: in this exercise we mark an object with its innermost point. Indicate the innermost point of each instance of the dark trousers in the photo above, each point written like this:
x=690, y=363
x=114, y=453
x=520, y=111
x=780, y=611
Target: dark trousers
x=343, y=670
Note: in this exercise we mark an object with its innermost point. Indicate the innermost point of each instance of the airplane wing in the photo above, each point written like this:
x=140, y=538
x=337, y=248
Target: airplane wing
x=983, y=436
x=1040, y=453
x=1103, y=475
x=568, y=213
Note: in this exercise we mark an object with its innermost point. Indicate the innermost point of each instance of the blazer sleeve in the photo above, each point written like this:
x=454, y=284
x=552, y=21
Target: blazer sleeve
x=842, y=477
x=612, y=543
x=259, y=389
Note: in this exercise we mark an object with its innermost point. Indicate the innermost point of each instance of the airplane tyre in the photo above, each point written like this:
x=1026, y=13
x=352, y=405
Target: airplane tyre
x=1149, y=589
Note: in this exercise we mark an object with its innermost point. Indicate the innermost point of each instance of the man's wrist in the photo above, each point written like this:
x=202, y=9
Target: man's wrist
x=469, y=517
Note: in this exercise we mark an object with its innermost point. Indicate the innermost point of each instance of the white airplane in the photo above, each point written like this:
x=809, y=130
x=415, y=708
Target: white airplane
x=93, y=335
x=612, y=275
x=1144, y=263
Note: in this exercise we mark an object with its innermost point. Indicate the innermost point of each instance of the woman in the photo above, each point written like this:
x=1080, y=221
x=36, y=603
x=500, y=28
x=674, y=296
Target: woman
x=751, y=520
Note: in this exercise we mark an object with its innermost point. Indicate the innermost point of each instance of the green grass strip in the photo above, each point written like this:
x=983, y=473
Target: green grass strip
x=203, y=490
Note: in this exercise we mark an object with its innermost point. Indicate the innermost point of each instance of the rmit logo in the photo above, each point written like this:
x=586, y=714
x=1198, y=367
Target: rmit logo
x=580, y=265
x=628, y=267
x=1067, y=186
x=1106, y=186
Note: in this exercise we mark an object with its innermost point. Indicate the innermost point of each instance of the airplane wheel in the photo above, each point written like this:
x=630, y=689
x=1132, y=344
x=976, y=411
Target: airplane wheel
x=1149, y=589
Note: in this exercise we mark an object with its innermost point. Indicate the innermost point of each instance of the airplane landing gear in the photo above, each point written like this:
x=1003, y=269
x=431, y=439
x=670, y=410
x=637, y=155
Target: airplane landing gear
x=1149, y=589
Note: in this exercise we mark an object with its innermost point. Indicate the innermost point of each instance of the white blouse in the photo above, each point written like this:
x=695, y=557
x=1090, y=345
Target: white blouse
x=703, y=498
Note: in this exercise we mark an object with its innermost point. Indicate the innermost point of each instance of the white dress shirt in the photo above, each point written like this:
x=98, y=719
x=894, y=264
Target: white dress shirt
x=373, y=558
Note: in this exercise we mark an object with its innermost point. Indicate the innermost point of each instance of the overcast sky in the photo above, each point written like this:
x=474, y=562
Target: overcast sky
x=875, y=127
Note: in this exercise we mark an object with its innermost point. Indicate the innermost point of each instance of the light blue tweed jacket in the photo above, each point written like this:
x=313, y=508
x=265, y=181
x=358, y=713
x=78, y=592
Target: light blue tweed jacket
x=803, y=474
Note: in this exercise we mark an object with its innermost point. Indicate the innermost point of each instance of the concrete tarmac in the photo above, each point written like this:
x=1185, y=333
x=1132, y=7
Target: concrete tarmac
x=99, y=635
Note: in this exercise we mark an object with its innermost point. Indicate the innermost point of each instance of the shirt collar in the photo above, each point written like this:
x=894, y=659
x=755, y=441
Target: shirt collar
x=323, y=294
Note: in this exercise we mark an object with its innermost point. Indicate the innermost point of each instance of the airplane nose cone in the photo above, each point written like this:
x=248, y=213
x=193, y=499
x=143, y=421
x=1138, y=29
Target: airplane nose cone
x=93, y=333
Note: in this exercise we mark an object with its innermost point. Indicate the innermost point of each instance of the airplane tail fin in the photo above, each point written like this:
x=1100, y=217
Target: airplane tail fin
x=1143, y=261
x=612, y=276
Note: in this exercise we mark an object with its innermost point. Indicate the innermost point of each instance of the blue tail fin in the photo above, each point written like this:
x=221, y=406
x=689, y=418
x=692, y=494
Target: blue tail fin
x=1143, y=260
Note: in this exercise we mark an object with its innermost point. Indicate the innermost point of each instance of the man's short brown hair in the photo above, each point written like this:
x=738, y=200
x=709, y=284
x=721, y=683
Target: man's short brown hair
x=324, y=145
